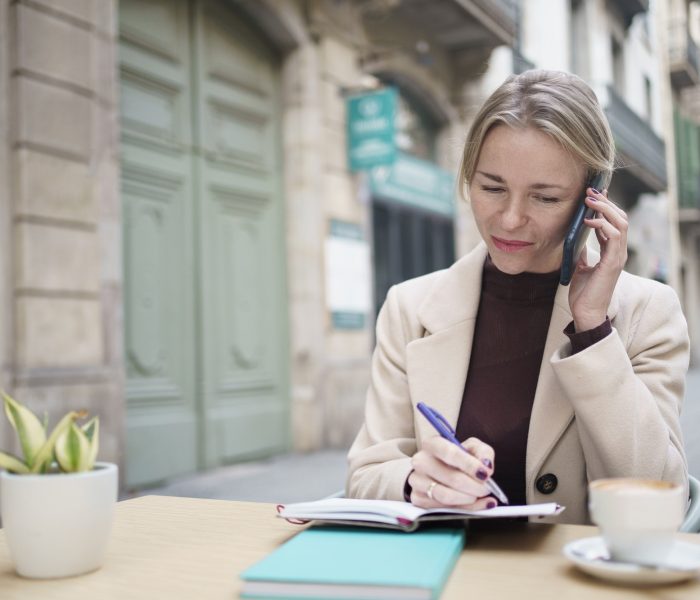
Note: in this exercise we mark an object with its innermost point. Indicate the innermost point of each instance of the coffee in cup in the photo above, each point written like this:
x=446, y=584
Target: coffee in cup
x=638, y=518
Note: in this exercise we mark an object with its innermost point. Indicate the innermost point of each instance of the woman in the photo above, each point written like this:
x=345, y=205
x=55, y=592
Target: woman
x=550, y=386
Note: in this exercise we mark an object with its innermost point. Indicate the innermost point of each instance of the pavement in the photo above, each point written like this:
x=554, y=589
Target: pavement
x=293, y=477
x=297, y=477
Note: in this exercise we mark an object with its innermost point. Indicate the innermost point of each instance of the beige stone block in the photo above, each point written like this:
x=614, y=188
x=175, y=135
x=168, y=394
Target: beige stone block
x=53, y=47
x=343, y=391
x=335, y=148
x=339, y=61
x=58, y=332
x=108, y=190
x=350, y=344
x=55, y=187
x=110, y=235
x=107, y=67
x=57, y=258
x=53, y=117
x=340, y=196
x=78, y=9
x=105, y=17
x=301, y=127
x=300, y=76
x=307, y=420
x=334, y=111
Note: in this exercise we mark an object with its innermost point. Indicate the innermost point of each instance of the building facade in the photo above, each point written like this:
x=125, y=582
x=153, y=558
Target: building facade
x=176, y=179
x=186, y=250
x=684, y=70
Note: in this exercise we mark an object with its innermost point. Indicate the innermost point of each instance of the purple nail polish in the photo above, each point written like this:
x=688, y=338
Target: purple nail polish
x=595, y=190
x=487, y=463
x=481, y=474
x=491, y=504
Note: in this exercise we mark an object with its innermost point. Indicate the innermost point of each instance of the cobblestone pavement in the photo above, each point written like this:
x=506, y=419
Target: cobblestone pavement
x=296, y=477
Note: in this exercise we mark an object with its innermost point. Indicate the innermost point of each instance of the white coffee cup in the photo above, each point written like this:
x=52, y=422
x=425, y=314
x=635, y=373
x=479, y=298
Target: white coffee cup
x=638, y=518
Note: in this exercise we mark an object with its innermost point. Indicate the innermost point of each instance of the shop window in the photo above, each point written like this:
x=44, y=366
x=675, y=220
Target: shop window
x=408, y=243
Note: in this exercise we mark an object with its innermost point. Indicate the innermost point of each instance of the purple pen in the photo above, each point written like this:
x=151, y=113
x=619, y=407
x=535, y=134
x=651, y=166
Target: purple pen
x=447, y=432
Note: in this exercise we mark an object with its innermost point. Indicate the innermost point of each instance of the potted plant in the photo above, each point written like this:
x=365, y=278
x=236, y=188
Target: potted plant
x=57, y=503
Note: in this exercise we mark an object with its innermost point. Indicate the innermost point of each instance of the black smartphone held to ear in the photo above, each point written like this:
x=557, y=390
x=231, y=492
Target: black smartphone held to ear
x=577, y=232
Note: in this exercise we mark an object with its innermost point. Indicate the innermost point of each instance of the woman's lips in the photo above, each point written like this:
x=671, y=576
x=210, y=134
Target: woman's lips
x=510, y=245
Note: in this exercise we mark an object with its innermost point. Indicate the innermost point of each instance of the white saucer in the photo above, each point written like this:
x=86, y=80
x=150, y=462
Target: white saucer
x=684, y=558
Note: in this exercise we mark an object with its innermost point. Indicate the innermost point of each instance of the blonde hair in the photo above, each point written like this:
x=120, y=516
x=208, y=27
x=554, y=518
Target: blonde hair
x=559, y=104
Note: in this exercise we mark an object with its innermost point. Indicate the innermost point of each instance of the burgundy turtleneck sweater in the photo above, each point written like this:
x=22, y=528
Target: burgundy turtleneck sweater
x=507, y=349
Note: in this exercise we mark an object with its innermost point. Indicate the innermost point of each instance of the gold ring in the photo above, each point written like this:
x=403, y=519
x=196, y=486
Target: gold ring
x=431, y=487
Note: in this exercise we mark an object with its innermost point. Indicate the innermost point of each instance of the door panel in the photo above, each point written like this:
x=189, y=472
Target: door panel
x=203, y=236
x=158, y=249
x=244, y=328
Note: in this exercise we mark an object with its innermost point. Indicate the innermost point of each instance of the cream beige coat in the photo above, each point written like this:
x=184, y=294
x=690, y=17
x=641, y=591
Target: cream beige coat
x=610, y=410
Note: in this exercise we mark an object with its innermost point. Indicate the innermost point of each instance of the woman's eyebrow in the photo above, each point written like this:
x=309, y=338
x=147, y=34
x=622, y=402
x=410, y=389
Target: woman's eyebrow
x=534, y=186
x=497, y=178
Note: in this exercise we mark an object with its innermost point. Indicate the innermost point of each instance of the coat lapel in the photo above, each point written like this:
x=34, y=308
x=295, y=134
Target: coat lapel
x=437, y=363
x=551, y=410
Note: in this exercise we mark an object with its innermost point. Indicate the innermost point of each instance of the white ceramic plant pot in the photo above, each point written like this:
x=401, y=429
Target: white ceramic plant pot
x=58, y=525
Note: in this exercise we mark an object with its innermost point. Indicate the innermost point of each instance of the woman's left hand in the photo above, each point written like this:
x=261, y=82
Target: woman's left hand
x=592, y=286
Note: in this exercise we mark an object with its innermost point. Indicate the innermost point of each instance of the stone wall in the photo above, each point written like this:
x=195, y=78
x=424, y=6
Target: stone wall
x=62, y=342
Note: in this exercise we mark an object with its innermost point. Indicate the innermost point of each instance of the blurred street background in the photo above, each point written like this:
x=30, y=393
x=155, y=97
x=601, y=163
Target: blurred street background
x=204, y=202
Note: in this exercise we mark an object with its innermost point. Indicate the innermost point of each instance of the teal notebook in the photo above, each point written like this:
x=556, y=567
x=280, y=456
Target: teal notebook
x=356, y=562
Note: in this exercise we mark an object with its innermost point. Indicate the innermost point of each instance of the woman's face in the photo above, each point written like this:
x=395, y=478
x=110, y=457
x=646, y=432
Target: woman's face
x=523, y=194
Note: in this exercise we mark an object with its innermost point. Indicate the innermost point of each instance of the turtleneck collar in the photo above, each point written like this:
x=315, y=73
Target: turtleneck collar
x=523, y=287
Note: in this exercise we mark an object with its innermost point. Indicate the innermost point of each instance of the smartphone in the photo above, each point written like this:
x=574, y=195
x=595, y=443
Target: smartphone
x=577, y=232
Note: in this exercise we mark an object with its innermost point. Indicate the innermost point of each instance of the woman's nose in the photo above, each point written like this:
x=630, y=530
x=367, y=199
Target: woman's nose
x=513, y=216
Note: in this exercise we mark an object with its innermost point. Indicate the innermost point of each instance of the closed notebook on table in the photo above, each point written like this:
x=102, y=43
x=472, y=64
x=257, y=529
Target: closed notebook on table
x=356, y=562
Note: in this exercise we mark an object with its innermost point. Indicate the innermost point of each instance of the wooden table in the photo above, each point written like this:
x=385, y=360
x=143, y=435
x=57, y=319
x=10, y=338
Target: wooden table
x=170, y=548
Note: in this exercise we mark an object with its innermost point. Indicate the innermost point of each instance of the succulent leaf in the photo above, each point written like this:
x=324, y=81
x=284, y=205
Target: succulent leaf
x=30, y=431
x=72, y=446
x=92, y=432
x=73, y=450
x=12, y=464
x=45, y=454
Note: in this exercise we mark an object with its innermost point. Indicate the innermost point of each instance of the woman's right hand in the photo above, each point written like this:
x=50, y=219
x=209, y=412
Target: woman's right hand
x=444, y=476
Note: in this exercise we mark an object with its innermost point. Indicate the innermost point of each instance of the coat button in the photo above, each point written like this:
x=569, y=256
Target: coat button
x=547, y=483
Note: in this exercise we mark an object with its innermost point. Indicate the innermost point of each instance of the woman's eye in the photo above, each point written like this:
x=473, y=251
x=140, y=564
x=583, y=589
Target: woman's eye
x=547, y=199
x=492, y=190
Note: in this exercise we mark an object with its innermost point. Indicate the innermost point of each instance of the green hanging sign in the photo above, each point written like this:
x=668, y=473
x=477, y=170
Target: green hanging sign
x=416, y=183
x=371, y=128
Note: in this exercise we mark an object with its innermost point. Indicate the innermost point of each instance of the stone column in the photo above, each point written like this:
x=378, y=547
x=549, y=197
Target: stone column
x=66, y=347
x=6, y=334
x=304, y=212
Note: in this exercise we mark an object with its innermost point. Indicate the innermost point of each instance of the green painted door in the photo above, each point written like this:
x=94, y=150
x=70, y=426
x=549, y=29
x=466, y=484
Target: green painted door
x=205, y=306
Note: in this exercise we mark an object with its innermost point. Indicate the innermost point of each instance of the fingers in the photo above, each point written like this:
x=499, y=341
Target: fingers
x=477, y=461
x=611, y=225
x=607, y=208
x=481, y=451
x=429, y=493
x=444, y=474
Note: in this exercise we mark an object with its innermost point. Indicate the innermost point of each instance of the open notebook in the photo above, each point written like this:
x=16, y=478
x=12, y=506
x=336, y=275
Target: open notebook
x=399, y=515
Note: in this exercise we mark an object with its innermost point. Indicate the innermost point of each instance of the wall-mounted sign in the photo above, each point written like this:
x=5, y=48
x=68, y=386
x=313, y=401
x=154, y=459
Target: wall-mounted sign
x=415, y=182
x=371, y=129
x=348, y=275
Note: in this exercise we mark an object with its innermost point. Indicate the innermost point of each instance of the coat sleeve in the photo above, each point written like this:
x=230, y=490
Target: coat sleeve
x=627, y=400
x=380, y=458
